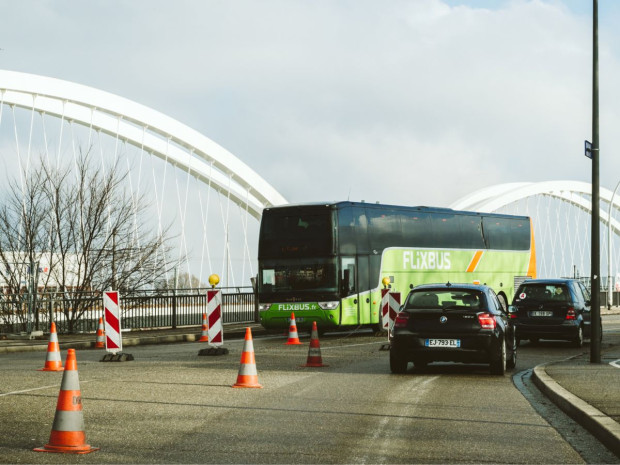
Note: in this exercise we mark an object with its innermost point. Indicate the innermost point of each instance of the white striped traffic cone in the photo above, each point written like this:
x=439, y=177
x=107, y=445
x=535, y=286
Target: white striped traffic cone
x=293, y=337
x=67, y=434
x=100, y=341
x=247, y=377
x=314, y=351
x=204, y=335
x=52, y=359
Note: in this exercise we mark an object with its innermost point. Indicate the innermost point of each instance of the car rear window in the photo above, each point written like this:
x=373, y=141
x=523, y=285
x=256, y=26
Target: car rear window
x=543, y=293
x=439, y=299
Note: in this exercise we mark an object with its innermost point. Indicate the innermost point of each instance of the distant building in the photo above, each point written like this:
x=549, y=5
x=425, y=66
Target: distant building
x=47, y=271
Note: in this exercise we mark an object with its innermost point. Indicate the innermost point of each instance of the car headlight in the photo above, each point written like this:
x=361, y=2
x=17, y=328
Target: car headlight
x=328, y=305
x=263, y=307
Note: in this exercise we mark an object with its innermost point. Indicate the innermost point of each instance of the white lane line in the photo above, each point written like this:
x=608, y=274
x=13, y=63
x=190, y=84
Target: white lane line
x=615, y=364
x=27, y=390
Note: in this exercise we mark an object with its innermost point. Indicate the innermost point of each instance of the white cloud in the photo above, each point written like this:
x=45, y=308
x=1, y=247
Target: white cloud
x=321, y=97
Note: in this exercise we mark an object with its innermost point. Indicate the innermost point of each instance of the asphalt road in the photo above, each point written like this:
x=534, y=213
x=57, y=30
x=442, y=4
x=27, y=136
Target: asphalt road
x=171, y=406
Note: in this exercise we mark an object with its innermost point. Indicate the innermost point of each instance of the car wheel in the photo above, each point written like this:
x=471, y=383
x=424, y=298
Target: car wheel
x=512, y=361
x=578, y=339
x=498, y=366
x=398, y=364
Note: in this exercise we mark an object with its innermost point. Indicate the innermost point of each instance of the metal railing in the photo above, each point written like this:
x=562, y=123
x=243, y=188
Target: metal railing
x=147, y=309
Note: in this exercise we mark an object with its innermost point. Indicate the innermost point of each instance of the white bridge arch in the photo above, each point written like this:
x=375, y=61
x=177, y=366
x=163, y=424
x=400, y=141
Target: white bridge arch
x=495, y=197
x=210, y=164
x=562, y=233
x=145, y=128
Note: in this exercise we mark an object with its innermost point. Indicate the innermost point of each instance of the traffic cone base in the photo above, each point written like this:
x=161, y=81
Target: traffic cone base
x=70, y=436
x=67, y=436
x=293, y=337
x=247, y=377
x=52, y=359
x=314, y=351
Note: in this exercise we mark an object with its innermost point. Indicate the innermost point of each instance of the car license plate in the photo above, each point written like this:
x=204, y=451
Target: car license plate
x=541, y=313
x=450, y=343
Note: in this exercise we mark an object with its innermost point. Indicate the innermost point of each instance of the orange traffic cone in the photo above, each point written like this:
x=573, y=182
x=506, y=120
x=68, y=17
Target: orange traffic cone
x=204, y=336
x=100, y=342
x=247, y=377
x=52, y=360
x=314, y=351
x=293, y=338
x=67, y=434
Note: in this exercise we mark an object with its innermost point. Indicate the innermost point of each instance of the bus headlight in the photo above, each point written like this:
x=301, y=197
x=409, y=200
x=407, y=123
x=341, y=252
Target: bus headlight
x=329, y=305
x=263, y=307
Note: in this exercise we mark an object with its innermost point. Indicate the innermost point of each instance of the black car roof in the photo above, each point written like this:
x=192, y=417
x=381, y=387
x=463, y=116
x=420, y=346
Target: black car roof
x=549, y=281
x=477, y=287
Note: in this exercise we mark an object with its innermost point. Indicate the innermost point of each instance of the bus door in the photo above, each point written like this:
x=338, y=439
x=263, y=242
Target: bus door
x=363, y=289
x=349, y=307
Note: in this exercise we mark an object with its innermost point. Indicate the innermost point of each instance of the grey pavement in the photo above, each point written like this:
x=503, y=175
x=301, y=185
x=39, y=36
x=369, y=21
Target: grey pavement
x=589, y=393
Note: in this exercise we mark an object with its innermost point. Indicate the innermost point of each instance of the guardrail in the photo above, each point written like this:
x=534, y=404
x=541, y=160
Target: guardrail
x=141, y=310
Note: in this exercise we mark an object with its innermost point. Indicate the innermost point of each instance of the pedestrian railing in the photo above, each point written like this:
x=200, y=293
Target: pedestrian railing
x=148, y=309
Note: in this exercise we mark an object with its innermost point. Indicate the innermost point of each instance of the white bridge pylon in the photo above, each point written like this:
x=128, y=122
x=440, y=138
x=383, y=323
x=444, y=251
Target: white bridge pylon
x=493, y=198
x=146, y=129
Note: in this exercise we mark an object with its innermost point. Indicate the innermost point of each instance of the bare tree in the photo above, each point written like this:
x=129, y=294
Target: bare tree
x=94, y=234
x=24, y=238
x=182, y=281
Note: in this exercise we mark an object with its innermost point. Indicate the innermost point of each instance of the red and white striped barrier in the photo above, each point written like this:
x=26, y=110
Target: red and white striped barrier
x=113, y=337
x=390, y=304
x=214, y=316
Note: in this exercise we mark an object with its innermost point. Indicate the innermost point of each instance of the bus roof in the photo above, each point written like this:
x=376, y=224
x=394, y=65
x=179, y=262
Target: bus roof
x=379, y=206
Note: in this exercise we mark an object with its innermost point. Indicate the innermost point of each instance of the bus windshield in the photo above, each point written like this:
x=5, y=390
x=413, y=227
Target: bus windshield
x=296, y=234
x=299, y=275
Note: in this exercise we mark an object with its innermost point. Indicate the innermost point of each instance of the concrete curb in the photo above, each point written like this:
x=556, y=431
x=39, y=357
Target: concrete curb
x=600, y=425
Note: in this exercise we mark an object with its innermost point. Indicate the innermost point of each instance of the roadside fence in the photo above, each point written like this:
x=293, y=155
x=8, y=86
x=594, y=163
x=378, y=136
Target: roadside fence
x=146, y=309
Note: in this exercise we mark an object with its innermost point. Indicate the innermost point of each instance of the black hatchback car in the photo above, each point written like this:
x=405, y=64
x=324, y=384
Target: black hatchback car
x=452, y=323
x=552, y=309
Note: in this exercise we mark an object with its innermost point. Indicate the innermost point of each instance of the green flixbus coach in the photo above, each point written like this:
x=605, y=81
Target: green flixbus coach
x=326, y=262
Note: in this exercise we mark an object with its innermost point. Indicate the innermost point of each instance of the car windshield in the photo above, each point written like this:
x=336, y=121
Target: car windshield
x=441, y=299
x=543, y=293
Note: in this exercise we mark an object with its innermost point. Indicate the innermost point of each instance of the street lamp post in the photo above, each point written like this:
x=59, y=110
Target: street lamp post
x=595, y=274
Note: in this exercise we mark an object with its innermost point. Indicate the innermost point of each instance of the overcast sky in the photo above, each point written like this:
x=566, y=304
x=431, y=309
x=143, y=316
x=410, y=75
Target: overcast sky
x=415, y=102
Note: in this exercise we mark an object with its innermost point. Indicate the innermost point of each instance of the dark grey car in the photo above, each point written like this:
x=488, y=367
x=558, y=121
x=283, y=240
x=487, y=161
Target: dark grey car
x=552, y=309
